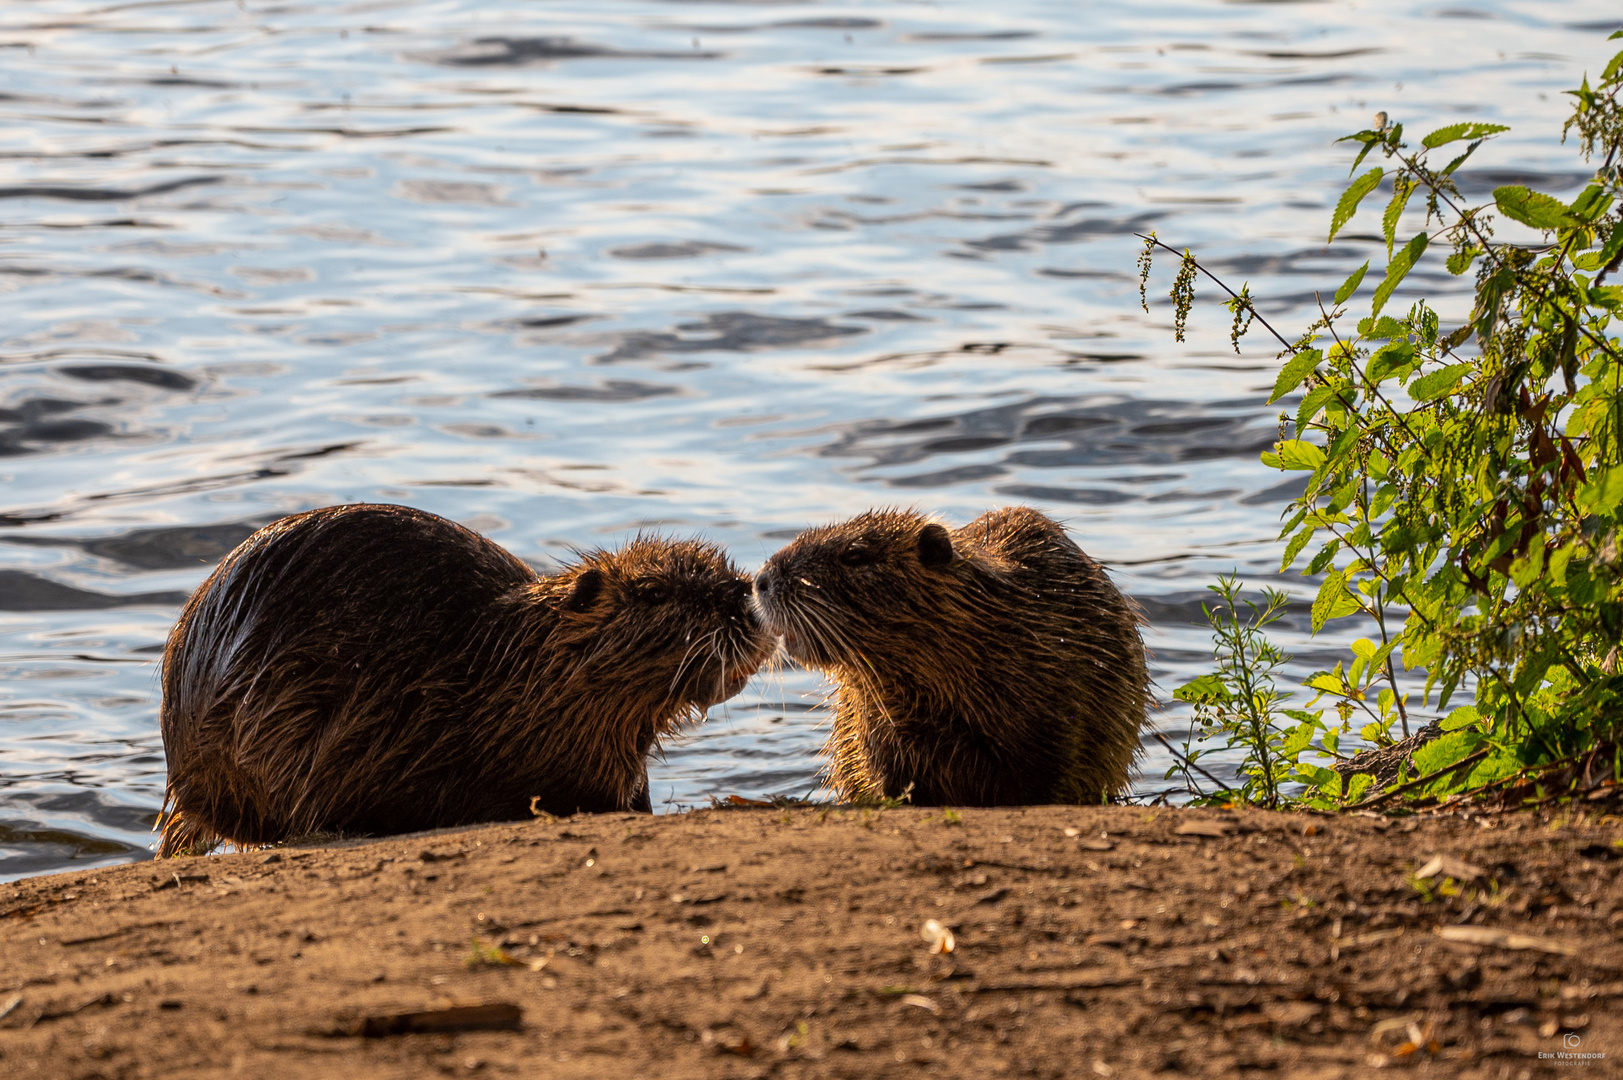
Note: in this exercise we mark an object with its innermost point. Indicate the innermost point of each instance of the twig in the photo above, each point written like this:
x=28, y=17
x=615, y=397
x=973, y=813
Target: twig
x=1519, y=776
x=1093, y=982
x=1389, y=793
x=1162, y=739
x=1266, y=325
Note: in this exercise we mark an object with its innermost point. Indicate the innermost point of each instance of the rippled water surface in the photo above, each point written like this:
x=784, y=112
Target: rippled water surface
x=565, y=271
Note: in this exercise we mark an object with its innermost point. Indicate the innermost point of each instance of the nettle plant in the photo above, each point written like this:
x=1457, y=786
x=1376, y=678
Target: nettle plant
x=1463, y=482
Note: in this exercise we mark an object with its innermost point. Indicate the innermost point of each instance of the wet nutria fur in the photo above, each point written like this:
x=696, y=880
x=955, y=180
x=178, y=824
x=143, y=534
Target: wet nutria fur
x=378, y=669
x=994, y=665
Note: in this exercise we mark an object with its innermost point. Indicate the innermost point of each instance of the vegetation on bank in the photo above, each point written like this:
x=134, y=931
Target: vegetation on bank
x=1462, y=497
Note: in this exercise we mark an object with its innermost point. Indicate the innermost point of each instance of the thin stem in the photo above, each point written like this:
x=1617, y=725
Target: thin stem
x=1392, y=793
x=1374, y=388
x=1188, y=763
x=1219, y=282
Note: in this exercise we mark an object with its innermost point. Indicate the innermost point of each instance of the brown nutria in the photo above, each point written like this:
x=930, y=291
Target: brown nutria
x=377, y=669
x=994, y=665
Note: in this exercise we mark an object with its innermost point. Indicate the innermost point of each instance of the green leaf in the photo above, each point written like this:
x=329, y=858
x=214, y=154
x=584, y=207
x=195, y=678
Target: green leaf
x=1454, y=132
x=1350, y=286
x=1557, y=566
x=1603, y=492
x=1330, y=684
x=1385, y=328
x=1525, y=570
x=1294, y=548
x=1303, y=716
x=1333, y=601
x=1444, y=751
x=1437, y=383
x=1347, y=440
x=1324, y=558
x=1591, y=203
x=1460, y=261
x=1370, y=139
x=1401, y=191
x=1448, y=170
x=1397, y=270
x=1373, y=732
x=1348, y=206
x=1462, y=717
x=1357, y=785
x=1614, y=244
x=1206, y=690
x=1295, y=370
x=1318, y=776
x=1387, y=359
x=1496, y=766
x=1311, y=404
x=1299, y=455
x=1296, y=740
x=1380, y=503
x=1533, y=208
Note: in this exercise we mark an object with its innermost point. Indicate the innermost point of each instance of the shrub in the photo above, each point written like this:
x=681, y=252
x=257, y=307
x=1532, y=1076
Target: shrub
x=1463, y=482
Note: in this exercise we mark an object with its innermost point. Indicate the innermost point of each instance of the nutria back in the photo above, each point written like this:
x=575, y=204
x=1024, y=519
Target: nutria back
x=378, y=669
x=991, y=665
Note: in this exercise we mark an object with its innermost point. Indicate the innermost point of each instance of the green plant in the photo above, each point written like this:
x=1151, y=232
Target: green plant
x=489, y=954
x=1433, y=889
x=1463, y=483
x=1241, y=704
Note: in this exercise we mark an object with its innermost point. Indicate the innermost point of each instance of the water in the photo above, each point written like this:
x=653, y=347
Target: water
x=563, y=272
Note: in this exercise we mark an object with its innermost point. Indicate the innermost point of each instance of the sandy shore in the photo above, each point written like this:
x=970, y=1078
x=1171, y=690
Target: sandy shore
x=787, y=943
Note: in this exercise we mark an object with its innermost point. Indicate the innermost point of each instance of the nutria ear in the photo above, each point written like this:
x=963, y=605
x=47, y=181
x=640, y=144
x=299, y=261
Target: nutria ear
x=587, y=585
x=935, y=546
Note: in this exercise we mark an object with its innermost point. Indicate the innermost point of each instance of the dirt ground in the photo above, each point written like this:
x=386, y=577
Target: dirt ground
x=810, y=942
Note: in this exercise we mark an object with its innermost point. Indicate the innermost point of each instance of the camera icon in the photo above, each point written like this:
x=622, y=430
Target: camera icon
x=1571, y=1040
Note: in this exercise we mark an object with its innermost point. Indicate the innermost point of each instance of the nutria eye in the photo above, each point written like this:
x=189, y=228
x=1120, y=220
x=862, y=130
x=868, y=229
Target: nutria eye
x=653, y=594
x=858, y=555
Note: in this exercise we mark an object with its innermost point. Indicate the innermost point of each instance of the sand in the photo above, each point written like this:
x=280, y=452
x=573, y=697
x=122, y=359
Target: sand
x=812, y=942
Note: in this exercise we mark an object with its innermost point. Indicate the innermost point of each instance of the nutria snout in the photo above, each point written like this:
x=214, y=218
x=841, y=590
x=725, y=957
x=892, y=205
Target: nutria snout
x=994, y=664
x=379, y=669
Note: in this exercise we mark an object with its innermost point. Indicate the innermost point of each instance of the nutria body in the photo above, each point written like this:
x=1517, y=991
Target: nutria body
x=378, y=669
x=994, y=665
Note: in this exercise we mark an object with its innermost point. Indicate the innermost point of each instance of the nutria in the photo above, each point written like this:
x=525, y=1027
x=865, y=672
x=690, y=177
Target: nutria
x=377, y=669
x=994, y=665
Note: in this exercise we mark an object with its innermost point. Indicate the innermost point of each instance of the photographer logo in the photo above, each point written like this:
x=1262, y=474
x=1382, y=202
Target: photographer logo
x=1571, y=1052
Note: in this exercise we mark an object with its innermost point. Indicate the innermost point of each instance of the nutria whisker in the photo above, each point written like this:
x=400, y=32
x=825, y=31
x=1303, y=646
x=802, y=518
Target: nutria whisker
x=694, y=648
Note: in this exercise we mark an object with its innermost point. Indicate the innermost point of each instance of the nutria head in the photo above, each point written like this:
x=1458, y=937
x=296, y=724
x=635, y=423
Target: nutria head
x=838, y=591
x=663, y=627
x=992, y=664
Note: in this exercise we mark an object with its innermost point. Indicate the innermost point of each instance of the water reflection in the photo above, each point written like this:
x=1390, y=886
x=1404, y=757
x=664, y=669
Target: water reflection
x=567, y=274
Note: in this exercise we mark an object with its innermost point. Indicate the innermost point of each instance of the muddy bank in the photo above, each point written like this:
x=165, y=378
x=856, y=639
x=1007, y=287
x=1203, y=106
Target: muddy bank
x=787, y=943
